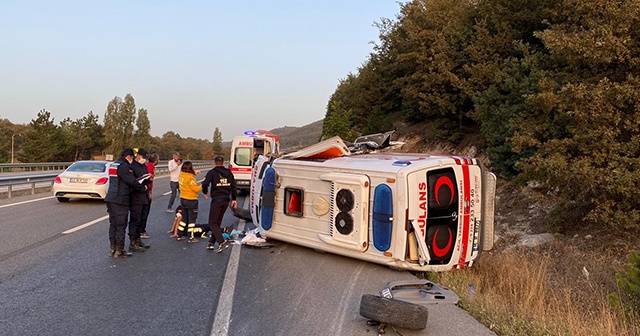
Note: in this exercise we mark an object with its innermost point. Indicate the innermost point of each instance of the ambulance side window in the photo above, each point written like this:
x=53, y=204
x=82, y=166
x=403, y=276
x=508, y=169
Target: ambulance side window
x=293, y=202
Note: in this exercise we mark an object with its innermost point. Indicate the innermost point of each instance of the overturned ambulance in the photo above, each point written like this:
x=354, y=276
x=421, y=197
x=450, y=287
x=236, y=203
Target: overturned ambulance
x=411, y=211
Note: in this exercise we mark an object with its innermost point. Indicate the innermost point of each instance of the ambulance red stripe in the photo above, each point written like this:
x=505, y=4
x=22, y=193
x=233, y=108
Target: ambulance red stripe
x=465, y=215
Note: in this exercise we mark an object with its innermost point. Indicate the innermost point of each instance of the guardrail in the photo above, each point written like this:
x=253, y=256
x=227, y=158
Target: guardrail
x=10, y=181
x=11, y=167
x=22, y=167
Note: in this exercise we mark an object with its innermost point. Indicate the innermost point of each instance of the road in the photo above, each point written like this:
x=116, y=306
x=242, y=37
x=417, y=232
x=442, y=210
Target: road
x=56, y=279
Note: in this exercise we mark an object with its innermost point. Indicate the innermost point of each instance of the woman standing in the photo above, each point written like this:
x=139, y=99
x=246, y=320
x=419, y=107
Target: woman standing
x=189, y=190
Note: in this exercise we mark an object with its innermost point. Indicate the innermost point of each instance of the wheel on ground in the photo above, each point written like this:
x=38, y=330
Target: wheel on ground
x=394, y=312
x=63, y=199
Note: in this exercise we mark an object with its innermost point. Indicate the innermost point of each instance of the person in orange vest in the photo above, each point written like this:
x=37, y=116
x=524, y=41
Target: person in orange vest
x=189, y=189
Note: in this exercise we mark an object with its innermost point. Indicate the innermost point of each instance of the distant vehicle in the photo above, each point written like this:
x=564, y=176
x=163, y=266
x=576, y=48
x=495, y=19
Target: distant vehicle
x=418, y=212
x=245, y=149
x=83, y=179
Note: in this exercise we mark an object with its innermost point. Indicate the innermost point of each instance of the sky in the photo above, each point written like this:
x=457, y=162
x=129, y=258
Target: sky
x=194, y=65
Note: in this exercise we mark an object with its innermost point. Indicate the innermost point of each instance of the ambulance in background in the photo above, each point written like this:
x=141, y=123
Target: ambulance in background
x=418, y=212
x=245, y=149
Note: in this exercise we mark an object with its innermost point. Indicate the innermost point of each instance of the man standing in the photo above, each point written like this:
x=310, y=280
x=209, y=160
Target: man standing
x=223, y=187
x=121, y=184
x=175, y=166
x=139, y=201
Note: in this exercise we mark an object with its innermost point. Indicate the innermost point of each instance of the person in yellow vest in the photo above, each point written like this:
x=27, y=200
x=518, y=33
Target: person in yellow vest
x=189, y=190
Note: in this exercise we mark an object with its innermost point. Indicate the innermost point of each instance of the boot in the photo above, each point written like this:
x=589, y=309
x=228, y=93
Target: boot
x=112, y=250
x=141, y=244
x=133, y=245
x=120, y=252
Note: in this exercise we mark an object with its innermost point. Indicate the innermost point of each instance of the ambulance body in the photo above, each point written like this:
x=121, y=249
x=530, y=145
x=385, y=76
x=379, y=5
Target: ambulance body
x=244, y=150
x=410, y=211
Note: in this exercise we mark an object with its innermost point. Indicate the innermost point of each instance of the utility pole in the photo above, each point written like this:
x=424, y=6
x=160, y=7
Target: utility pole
x=12, y=136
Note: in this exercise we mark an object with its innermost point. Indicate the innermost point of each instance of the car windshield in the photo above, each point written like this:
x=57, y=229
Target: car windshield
x=88, y=167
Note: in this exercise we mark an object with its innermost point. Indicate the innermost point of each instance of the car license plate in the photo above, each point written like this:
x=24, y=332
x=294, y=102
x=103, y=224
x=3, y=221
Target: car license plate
x=77, y=180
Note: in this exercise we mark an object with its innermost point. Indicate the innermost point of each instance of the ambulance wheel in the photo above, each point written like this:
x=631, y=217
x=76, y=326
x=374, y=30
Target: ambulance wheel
x=394, y=312
x=63, y=199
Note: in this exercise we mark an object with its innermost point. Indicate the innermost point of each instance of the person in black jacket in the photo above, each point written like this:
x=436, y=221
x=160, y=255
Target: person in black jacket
x=223, y=188
x=121, y=183
x=139, y=201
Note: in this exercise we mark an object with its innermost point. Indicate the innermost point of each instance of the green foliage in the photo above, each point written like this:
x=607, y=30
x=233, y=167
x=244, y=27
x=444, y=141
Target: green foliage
x=44, y=141
x=119, y=121
x=9, y=133
x=217, y=142
x=142, y=134
x=629, y=283
x=338, y=123
x=82, y=138
x=552, y=86
x=293, y=138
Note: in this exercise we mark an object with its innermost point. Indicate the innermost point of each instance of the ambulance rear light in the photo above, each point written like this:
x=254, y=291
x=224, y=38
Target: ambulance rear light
x=102, y=180
x=57, y=180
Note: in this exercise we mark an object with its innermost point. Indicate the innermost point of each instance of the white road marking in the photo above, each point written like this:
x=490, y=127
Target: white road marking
x=167, y=193
x=24, y=202
x=80, y=227
x=225, y=301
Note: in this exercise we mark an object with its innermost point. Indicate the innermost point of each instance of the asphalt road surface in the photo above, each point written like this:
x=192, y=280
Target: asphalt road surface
x=56, y=279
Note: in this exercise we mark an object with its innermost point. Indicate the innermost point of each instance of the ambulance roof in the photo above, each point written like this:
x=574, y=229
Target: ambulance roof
x=388, y=162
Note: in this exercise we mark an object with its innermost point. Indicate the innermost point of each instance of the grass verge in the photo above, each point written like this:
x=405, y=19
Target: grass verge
x=522, y=293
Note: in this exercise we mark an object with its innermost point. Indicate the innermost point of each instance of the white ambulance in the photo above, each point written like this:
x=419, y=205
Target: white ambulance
x=244, y=150
x=410, y=211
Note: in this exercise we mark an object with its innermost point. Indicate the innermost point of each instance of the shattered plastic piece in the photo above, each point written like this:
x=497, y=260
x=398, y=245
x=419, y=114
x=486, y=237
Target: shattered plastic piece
x=251, y=239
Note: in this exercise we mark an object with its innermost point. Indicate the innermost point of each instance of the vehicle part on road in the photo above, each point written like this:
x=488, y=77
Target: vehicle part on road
x=421, y=292
x=243, y=214
x=394, y=312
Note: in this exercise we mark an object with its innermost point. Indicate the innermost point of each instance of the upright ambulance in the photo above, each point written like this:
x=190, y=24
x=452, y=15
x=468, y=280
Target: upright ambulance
x=417, y=212
x=244, y=150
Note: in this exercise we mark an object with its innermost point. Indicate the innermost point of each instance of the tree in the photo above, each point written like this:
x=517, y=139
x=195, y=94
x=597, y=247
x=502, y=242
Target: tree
x=583, y=128
x=84, y=137
x=217, y=142
x=43, y=140
x=119, y=122
x=10, y=132
x=142, y=136
x=338, y=122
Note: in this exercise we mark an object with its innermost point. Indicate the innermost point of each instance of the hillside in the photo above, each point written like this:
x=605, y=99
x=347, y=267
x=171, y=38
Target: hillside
x=293, y=138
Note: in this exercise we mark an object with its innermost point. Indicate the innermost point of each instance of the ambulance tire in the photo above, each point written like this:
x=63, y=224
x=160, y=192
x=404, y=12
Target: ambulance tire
x=63, y=199
x=396, y=313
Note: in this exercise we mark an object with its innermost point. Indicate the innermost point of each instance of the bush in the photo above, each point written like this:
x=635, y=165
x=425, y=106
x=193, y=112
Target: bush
x=629, y=283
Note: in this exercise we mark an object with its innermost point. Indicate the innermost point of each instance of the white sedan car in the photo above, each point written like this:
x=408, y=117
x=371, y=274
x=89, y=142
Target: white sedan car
x=83, y=179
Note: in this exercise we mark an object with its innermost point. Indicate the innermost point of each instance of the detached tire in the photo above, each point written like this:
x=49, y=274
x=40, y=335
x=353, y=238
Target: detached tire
x=394, y=312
